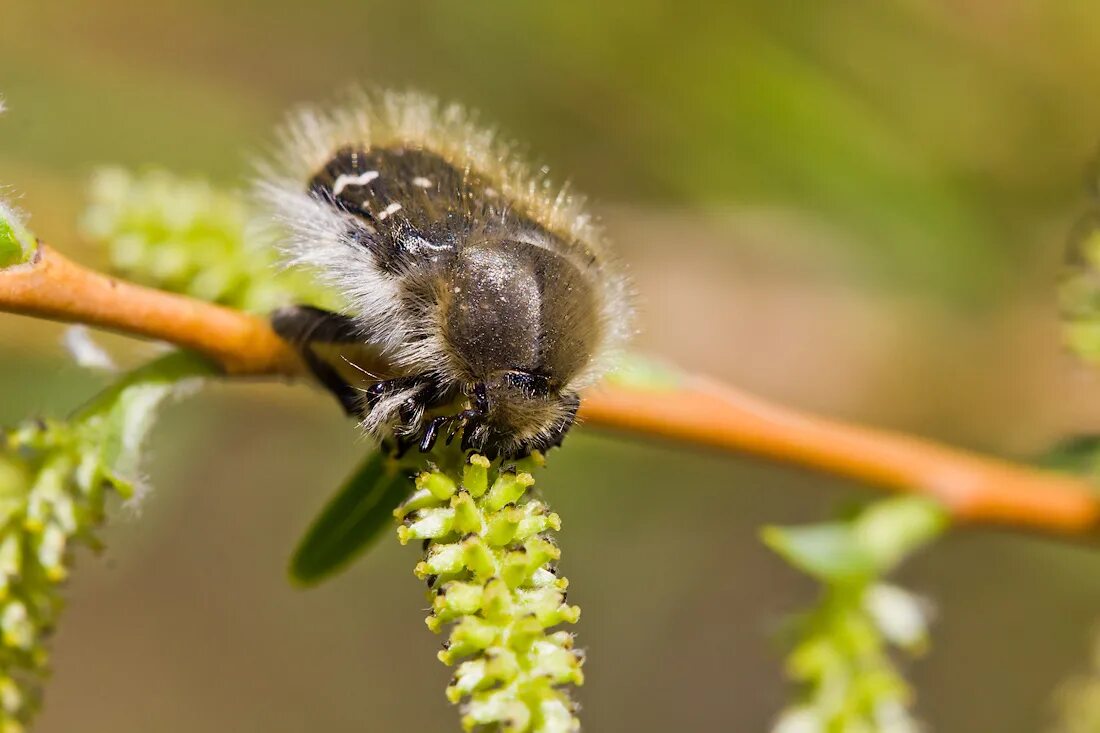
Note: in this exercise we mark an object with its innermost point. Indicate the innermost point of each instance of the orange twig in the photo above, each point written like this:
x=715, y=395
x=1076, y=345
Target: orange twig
x=699, y=411
x=52, y=286
x=973, y=487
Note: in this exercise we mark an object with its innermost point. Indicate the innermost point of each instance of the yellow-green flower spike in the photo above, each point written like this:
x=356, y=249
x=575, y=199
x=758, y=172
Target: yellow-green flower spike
x=190, y=237
x=841, y=659
x=46, y=510
x=55, y=478
x=488, y=563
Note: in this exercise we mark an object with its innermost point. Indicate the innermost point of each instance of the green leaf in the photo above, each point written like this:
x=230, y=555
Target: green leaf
x=358, y=513
x=123, y=414
x=892, y=529
x=17, y=245
x=869, y=545
x=828, y=552
x=1079, y=455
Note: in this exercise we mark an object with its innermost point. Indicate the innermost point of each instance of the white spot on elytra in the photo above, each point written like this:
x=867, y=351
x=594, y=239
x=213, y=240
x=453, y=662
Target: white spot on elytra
x=344, y=180
x=389, y=211
x=422, y=182
x=420, y=245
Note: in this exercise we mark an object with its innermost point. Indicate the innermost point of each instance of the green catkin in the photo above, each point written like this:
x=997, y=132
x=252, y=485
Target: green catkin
x=488, y=561
x=52, y=497
x=56, y=477
x=190, y=237
x=842, y=656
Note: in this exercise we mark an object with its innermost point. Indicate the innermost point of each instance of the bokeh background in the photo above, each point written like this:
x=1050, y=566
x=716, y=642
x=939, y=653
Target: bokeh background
x=854, y=208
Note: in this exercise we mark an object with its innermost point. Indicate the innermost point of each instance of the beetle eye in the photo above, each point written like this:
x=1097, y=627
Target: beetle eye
x=532, y=385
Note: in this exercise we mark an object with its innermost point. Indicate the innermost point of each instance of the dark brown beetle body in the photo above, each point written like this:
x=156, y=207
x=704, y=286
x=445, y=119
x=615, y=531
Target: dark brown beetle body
x=475, y=289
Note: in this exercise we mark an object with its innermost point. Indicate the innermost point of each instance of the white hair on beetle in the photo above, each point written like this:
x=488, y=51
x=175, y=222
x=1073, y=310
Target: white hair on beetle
x=323, y=238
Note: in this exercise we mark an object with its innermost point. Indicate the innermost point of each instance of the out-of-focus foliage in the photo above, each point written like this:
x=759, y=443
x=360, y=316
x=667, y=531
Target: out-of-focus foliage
x=1079, y=700
x=1079, y=455
x=188, y=236
x=1079, y=290
x=490, y=567
x=55, y=480
x=931, y=144
x=841, y=662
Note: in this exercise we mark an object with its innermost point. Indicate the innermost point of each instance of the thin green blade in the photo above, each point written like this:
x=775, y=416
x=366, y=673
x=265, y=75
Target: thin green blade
x=352, y=519
x=1079, y=455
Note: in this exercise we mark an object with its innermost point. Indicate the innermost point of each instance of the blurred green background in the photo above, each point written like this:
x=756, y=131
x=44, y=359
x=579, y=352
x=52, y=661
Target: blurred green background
x=856, y=208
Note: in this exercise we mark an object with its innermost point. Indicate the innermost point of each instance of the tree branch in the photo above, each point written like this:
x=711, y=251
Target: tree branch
x=52, y=286
x=974, y=488
x=697, y=411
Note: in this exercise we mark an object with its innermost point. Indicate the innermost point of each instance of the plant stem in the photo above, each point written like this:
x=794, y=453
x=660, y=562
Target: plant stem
x=54, y=287
x=974, y=488
x=691, y=410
